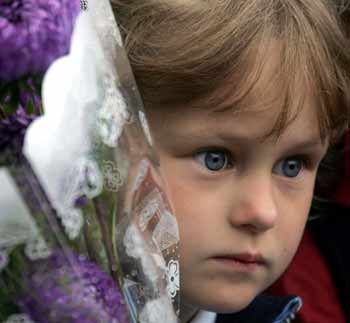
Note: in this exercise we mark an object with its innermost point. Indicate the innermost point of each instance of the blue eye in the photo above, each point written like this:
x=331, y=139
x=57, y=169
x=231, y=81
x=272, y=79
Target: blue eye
x=214, y=160
x=289, y=167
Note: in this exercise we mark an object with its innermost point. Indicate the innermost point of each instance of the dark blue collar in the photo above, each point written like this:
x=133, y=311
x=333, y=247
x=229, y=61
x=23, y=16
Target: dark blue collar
x=265, y=309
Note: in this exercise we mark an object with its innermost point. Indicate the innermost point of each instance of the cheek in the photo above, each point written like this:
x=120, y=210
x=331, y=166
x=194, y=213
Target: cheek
x=193, y=202
x=297, y=214
x=291, y=225
x=191, y=208
x=198, y=214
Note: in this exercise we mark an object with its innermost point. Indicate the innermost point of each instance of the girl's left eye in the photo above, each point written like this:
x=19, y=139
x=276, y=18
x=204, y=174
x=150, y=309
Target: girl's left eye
x=214, y=160
x=289, y=167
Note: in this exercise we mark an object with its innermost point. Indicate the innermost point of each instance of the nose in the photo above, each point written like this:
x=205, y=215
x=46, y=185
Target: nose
x=255, y=205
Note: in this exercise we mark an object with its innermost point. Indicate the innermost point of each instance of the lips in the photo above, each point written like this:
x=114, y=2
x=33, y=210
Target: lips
x=242, y=261
x=246, y=258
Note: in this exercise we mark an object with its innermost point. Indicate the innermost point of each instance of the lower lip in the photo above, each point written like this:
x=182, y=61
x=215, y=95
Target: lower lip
x=238, y=265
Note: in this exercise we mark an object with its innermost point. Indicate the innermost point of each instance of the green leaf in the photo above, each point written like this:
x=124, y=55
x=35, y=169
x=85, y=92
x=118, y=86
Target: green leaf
x=30, y=108
x=10, y=108
x=10, y=283
x=24, y=86
x=2, y=112
x=7, y=307
x=5, y=89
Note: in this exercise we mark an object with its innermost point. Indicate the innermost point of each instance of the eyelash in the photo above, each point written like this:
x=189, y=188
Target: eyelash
x=306, y=164
x=306, y=160
x=229, y=157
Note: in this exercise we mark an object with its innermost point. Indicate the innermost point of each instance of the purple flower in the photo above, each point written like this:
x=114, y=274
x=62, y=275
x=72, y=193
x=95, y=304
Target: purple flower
x=33, y=33
x=81, y=201
x=56, y=291
x=14, y=126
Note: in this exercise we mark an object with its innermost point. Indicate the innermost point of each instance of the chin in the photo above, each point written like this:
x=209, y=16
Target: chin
x=225, y=302
x=232, y=306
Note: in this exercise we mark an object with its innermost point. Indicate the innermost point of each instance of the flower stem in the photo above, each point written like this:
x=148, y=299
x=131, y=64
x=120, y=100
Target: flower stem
x=39, y=204
x=101, y=218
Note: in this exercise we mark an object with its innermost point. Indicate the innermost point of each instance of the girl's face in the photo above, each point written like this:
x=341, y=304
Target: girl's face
x=241, y=199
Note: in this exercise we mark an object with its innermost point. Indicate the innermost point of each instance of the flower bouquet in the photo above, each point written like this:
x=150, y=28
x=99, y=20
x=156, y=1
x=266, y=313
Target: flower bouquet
x=86, y=231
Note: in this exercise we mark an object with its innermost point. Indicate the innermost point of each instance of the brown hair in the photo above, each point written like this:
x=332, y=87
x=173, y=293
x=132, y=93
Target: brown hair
x=181, y=50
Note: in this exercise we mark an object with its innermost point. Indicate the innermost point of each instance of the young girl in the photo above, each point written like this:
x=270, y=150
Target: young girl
x=244, y=98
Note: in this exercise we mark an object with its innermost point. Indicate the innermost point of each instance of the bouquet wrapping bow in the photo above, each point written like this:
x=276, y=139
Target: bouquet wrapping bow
x=86, y=231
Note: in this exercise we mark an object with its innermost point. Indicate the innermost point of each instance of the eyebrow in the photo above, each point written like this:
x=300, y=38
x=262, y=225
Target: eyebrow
x=309, y=144
x=312, y=146
x=224, y=107
x=305, y=144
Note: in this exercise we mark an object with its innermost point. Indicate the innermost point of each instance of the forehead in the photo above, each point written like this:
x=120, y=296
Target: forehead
x=242, y=127
x=262, y=88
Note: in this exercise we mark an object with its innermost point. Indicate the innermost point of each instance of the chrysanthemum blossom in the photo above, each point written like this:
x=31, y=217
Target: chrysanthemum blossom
x=33, y=33
x=78, y=292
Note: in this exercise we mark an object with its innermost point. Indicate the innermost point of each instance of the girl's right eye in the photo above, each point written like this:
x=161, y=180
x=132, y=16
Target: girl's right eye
x=213, y=160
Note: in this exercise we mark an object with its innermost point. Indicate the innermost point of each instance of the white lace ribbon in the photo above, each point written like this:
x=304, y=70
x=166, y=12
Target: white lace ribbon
x=19, y=318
